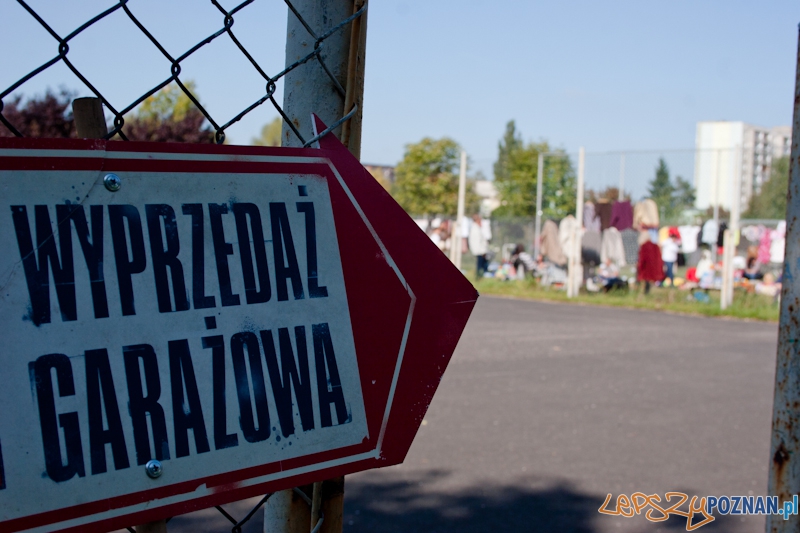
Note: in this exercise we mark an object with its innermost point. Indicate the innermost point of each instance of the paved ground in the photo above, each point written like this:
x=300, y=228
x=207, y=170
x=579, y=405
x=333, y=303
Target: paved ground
x=548, y=407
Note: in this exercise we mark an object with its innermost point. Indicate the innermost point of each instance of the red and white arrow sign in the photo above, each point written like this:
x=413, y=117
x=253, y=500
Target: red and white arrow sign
x=185, y=326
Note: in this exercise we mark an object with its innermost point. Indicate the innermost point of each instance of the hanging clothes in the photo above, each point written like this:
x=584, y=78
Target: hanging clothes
x=721, y=234
x=566, y=228
x=612, y=247
x=621, y=215
x=764, y=246
x=590, y=219
x=603, y=212
x=752, y=233
x=645, y=214
x=650, y=266
x=590, y=247
x=710, y=230
x=777, y=247
x=663, y=234
x=550, y=246
x=688, y=236
x=631, y=245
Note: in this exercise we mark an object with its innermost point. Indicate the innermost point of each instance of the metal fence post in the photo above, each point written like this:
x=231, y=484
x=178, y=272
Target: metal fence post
x=784, y=474
x=537, y=230
x=729, y=242
x=574, y=271
x=309, y=89
x=455, y=231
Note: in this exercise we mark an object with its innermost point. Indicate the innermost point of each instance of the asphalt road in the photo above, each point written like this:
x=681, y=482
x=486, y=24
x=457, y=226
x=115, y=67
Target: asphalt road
x=546, y=408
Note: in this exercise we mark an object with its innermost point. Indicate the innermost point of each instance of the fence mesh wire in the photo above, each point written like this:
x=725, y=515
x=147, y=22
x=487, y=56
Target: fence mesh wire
x=173, y=61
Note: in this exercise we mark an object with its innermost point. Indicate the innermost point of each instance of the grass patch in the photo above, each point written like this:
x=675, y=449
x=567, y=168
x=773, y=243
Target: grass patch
x=748, y=306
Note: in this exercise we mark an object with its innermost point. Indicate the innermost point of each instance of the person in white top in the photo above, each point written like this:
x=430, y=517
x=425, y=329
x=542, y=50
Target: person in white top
x=669, y=254
x=479, y=243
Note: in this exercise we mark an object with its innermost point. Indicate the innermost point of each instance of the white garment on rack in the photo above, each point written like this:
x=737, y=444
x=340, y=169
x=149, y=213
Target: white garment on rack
x=688, y=238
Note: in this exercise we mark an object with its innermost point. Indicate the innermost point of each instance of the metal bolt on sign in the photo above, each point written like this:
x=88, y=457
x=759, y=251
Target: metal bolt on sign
x=154, y=468
x=112, y=182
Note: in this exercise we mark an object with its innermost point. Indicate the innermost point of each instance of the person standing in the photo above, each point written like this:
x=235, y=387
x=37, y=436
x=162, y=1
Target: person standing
x=669, y=255
x=479, y=243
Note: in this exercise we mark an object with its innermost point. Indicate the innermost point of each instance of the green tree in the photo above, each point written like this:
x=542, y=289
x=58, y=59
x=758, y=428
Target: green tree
x=169, y=116
x=515, y=178
x=661, y=188
x=685, y=194
x=270, y=134
x=426, y=179
x=507, y=149
x=770, y=202
x=672, y=198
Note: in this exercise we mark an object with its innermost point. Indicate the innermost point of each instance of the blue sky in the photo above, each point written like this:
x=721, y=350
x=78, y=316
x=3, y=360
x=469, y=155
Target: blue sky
x=604, y=75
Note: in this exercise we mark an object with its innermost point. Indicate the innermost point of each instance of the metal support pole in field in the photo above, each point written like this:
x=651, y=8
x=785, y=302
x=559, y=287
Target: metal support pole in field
x=455, y=230
x=537, y=230
x=309, y=89
x=715, y=198
x=784, y=473
x=729, y=244
x=622, y=177
x=574, y=274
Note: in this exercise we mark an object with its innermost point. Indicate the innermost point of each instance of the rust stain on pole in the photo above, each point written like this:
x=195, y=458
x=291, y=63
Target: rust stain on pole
x=784, y=474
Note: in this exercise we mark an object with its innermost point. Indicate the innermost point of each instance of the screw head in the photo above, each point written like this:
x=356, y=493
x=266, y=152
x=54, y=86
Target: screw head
x=112, y=182
x=154, y=468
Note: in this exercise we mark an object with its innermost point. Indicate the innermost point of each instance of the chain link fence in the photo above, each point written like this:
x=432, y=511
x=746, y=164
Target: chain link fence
x=173, y=61
x=107, y=22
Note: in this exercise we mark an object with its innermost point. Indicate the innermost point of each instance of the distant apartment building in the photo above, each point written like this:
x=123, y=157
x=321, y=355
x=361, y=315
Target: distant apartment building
x=727, y=151
x=490, y=198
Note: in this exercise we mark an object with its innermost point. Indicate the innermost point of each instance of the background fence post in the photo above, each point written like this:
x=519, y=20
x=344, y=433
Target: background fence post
x=574, y=276
x=537, y=230
x=309, y=89
x=455, y=231
x=784, y=473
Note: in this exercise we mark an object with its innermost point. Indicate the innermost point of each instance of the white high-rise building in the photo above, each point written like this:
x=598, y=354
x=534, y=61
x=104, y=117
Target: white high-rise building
x=727, y=151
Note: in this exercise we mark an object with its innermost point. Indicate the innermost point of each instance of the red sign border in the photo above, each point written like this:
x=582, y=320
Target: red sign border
x=226, y=487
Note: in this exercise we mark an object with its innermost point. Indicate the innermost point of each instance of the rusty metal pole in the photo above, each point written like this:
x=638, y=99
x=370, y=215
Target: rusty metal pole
x=784, y=473
x=309, y=89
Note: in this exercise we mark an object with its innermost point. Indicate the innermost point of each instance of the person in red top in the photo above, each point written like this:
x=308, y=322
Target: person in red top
x=650, y=267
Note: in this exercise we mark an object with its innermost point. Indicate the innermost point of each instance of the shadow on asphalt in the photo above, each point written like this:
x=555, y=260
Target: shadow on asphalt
x=404, y=506
x=422, y=503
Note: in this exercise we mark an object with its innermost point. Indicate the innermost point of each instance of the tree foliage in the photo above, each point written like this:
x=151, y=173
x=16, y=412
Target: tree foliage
x=44, y=116
x=515, y=174
x=770, y=202
x=270, y=134
x=169, y=116
x=671, y=198
x=426, y=179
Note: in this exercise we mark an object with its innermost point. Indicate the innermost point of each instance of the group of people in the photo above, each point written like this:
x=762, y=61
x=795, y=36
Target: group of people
x=472, y=233
x=655, y=252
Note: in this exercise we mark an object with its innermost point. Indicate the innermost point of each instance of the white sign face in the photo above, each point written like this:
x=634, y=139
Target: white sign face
x=200, y=320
